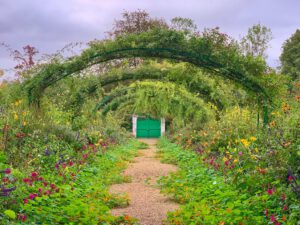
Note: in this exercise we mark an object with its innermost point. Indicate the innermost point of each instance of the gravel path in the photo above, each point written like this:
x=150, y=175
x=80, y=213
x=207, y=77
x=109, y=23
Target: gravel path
x=146, y=202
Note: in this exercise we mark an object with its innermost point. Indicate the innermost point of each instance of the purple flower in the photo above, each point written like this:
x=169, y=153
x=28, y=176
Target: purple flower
x=47, y=152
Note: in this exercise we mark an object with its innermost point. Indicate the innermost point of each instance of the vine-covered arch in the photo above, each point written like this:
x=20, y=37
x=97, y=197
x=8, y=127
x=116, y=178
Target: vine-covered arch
x=200, y=86
x=166, y=44
x=162, y=99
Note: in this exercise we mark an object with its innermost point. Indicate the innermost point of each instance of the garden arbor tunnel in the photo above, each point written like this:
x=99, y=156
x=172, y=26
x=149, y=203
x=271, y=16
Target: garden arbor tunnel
x=209, y=92
x=201, y=51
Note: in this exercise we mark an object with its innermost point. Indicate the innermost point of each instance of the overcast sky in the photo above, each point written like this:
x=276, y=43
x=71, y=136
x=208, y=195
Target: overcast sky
x=50, y=25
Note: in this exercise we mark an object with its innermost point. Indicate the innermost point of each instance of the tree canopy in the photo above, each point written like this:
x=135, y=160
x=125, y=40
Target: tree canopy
x=290, y=56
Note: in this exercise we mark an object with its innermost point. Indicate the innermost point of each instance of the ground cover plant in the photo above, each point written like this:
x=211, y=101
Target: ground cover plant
x=209, y=197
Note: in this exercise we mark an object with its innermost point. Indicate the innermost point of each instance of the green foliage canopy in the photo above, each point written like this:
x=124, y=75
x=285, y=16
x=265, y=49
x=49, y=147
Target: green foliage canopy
x=201, y=51
x=290, y=56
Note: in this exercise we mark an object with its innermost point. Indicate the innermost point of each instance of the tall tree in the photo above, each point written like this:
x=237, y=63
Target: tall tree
x=290, y=56
x=135, y=22
x=183, y=24
x=256, y=42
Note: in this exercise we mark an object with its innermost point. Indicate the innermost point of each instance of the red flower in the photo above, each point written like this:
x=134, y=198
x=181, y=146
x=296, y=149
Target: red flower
x=45, y=183
x=52, y=186
x=64, y=165
x=284, y=208
x=283, y=197
x=226, y=163
x=5, y=179
x=41, y=191
x=48, y=192
x=22, y=217
x=34, y=174
x=70, y=163
x=266, y=212
x=8, y=171
x=26, y=180
x=290, y=178
x=270, y=191
x=25, y=201
x=32, y=196
x=272, y=218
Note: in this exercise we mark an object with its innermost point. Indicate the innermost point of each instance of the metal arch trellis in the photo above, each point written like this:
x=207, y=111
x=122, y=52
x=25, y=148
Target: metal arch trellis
x=200, y=60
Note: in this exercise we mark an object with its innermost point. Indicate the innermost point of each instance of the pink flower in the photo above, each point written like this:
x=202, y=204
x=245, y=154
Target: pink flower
x=41, y=191
x=32, y=196
x=70, y=163
x=8, y=171
x=64, y=165
x=226, y=163
x=240, y=153
x=283, y=197
x=25, y=201
x=270, y=191
x=52, y=186
x=40, y=178
x=284, y=208
x=26, y=180
x=45, y=184
x=290, y=178
x=57, y=166
x=272, y=218
x=48, y=192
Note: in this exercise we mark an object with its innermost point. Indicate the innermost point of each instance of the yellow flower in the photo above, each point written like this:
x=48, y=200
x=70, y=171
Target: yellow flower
x=225, y=159
x=256, y=149
x=24, y=113
x=235, y=160
x=16, y=117
x=253, y=138
x=240, y=170
x=24, y=122
x=272, y=124
x=253, y=156
x=245, y=142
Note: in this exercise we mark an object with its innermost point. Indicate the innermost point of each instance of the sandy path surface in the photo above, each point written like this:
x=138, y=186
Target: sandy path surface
x=146, y=202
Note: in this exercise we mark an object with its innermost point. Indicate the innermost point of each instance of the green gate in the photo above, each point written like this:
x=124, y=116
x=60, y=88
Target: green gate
x=147, y=128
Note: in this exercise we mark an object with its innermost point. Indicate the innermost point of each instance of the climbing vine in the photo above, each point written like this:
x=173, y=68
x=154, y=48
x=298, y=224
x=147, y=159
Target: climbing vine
x=159, y=99
x=224, y=60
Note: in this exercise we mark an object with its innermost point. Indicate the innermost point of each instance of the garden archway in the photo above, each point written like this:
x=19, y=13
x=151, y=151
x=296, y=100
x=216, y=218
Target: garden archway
x=224, y=60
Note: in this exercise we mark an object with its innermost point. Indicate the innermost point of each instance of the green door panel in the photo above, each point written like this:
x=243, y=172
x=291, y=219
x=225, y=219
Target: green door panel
x=148, y=128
